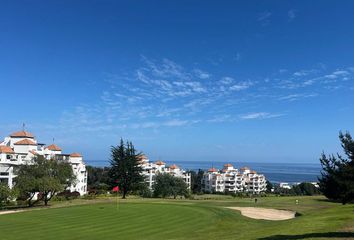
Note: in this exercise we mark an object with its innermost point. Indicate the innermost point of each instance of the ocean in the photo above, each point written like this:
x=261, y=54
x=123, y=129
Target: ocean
x=274, y=172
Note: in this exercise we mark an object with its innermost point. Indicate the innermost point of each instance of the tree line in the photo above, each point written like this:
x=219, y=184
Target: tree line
x=44, y=179
x=38, y=182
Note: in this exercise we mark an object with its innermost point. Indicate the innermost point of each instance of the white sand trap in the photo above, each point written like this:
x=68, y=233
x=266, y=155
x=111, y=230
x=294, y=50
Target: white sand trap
x=11, y=211
x=265, y=213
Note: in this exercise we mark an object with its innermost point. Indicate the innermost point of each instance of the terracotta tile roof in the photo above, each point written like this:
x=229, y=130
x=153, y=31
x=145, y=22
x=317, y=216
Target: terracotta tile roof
x=244, y=168
x=212, y=170
x=53, y=147
x=228, y=165
x=253, y=172
x=6, y=149
x=25, y=142
x=159, y=162
x=22, y=134
x=75, y=154
x=174, y=166
x=142, y=157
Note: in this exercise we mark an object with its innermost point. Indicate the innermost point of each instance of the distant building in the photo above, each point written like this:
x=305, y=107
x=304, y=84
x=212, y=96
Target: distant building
x=21, y=148
x=230, y=179
x=285, y=185
x=151, y=169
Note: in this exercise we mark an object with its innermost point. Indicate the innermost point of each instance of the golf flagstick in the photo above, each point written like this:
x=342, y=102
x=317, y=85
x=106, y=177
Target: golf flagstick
x=116, y=189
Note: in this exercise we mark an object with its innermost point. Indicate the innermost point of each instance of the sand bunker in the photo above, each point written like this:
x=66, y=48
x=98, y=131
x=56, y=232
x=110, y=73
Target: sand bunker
x=265, y=213
x=11, y=211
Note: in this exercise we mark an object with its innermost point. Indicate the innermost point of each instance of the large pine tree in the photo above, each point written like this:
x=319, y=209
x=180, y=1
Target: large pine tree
x=125, y=169
x=337, y=181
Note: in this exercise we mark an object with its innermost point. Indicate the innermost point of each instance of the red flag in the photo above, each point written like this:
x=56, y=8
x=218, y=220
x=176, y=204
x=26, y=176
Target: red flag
x=115, y=189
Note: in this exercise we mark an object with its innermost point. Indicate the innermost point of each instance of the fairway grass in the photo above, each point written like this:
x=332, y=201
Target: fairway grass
x=180, y=219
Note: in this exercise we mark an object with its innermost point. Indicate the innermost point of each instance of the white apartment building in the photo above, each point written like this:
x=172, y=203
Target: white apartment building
x=22, y=147
x=233, y=180
x=150, y=169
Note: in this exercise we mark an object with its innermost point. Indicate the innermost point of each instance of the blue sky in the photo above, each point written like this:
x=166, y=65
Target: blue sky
x=261, y=81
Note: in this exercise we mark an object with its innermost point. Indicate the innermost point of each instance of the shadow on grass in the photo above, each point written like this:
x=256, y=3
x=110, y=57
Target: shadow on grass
x=332, y=201
x=345, y=235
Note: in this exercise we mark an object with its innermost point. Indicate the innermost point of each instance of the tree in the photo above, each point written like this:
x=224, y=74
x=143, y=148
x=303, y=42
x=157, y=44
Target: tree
x=98, y=179
x=269, y=186
x=167, y=185
x=337, y=180
x=125, y=168
x=305, y=188
x=196, y=181
x=45, y=177
x=6, y=194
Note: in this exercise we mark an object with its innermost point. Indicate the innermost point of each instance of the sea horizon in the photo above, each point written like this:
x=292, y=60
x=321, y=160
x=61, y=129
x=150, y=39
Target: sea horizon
x=275, y=172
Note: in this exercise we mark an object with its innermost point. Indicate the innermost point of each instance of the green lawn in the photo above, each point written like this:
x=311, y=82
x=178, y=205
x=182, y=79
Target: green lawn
x=180, y=219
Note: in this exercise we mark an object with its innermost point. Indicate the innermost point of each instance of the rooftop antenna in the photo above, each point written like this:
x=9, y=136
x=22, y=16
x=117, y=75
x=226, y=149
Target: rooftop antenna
x=23, y=126
x=53, y=140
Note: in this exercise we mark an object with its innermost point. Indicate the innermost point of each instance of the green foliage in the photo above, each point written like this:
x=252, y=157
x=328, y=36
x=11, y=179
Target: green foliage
x=269, y=186
x=98, y=180
x=337, y=180
x=302, y=189
x=125, y=168
x=167, y=185
x=6, y=194
x=46, y=177
x=196, y=181
x=67, y=195
x=307, y=189
x=145, y=191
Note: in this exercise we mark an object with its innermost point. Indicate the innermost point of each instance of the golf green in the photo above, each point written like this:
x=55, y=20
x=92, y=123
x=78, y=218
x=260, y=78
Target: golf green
x=172, y=219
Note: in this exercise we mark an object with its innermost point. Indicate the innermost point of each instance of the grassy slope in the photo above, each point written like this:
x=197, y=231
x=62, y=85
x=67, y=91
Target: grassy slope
x=177, y=219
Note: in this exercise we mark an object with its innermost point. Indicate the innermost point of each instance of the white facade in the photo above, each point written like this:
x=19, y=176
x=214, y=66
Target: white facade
x=230, y=179
x=284, y=185
x=21, y=148
x=150, y=169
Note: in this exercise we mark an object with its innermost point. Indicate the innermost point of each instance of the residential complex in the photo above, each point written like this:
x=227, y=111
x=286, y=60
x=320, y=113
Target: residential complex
x=233, y=180
x=22, y=147
x=150, y=169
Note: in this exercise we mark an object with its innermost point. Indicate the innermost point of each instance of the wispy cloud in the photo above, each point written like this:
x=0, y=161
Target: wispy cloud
x=201, y=74
x=163, y=93
x=260, y=115
x=241, y=86
x=264, y=18
x=291, y=14
x=294, y=97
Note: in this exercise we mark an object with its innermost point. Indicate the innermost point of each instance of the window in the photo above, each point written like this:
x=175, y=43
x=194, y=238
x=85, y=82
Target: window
x=4, y=173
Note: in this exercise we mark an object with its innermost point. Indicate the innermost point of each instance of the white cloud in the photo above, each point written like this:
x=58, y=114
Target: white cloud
x=294, y=97
x=302, y=73
x=259, y=115
x=201, y=74
x=226, y=80
x=240, y=86
x=331, y=76
x=176, y=123
x=165, y=94
x=340, y=73
x=222, y=118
